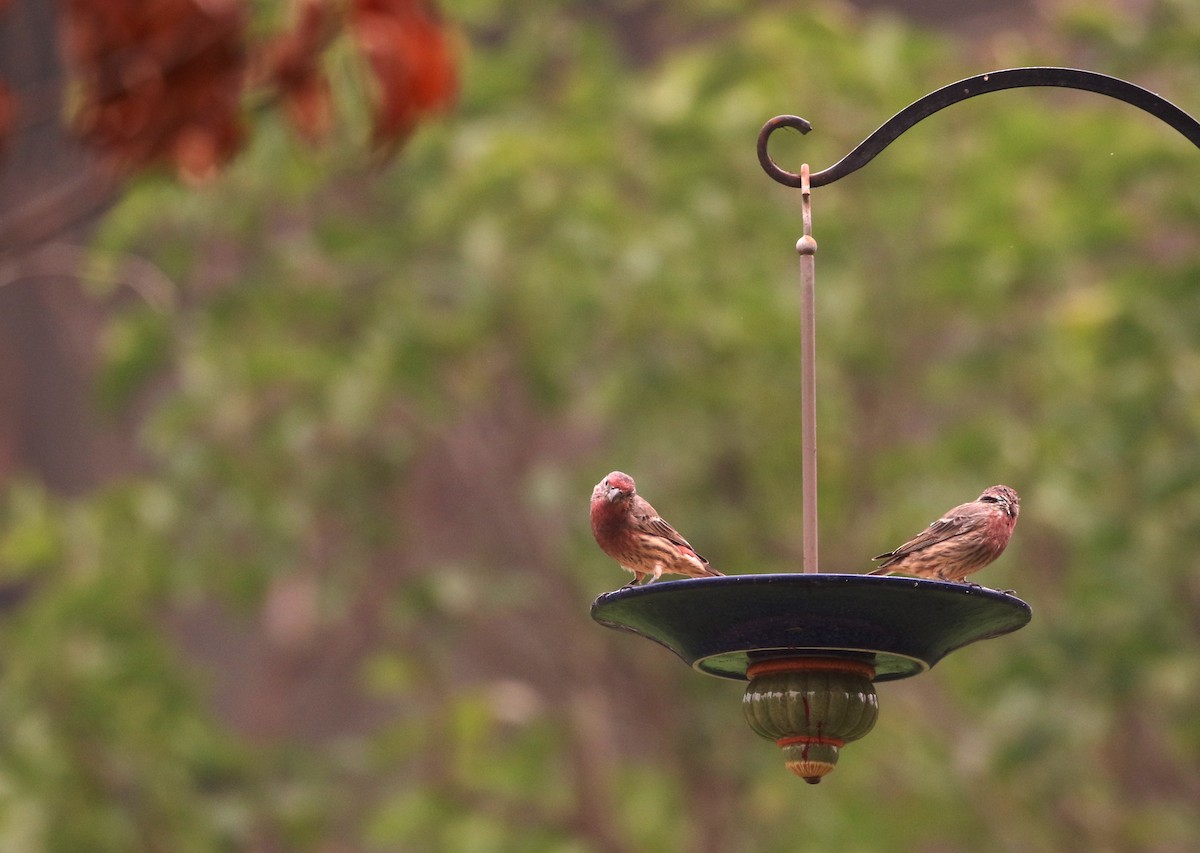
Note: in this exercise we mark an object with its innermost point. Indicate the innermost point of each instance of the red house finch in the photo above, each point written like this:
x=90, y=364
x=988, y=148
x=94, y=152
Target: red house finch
x=961, y=542
x=631, y=531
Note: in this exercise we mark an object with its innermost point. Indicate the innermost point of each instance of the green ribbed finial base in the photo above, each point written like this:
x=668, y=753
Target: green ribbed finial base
x=811, y=707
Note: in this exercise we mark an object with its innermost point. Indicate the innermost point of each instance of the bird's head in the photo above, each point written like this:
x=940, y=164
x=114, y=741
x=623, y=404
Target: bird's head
x=1005, y=497
x=615, y=487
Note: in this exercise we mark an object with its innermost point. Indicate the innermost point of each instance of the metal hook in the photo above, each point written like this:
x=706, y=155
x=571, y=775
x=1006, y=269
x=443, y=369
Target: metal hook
x=1011, y=78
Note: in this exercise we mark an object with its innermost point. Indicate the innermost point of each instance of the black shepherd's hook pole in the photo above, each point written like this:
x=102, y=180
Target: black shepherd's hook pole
x=888, y=132
x=1011, y=78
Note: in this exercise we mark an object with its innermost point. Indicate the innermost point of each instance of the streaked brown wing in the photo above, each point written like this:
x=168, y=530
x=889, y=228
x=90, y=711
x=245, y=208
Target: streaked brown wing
x=944, y=528
x=652, y=522
x=668, y=532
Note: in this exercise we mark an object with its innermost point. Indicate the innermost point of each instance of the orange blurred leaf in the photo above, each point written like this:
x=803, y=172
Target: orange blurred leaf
x=406, y=44
x=8, y=111
x=288, y=64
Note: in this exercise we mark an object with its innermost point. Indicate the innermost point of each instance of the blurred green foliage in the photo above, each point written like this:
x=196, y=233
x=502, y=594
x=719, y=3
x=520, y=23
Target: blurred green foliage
x=344, y=607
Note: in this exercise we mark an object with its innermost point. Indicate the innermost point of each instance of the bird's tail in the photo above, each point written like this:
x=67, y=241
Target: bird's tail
x=884, y=568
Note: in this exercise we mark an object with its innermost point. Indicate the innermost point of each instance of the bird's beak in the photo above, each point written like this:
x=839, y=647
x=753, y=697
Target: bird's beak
x=613, y=494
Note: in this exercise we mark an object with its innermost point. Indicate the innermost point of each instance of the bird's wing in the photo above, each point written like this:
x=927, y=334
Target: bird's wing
x=651, y=522
x=948, y=526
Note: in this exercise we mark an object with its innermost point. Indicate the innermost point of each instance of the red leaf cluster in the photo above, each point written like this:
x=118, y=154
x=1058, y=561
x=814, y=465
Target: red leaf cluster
x=160, y=81
x=8, y=103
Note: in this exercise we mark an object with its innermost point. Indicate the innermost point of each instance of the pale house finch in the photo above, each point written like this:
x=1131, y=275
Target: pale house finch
x=961, y=542
x=631, y=531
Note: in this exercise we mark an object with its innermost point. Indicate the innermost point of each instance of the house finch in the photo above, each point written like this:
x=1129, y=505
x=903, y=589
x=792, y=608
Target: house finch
x=630, y=531
x=962, y=541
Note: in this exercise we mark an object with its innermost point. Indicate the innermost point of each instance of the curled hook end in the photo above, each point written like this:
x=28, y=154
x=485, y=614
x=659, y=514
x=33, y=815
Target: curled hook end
x=783, y=176
x=794, y=122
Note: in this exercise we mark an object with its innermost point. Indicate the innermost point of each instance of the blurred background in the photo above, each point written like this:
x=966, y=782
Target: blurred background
x=319, y=321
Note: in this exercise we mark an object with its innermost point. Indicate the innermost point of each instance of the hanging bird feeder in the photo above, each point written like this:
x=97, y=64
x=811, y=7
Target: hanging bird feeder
x=813, y=644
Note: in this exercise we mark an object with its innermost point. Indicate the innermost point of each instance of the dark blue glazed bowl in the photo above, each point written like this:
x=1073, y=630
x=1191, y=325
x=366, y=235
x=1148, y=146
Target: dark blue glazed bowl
x=721, y=625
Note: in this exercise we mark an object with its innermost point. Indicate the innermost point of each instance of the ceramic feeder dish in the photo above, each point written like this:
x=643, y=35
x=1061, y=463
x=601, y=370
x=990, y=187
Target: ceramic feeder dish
x=811, y=645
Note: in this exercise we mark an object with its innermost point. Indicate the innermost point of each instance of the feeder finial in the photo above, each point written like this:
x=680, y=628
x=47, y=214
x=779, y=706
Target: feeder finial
x=811, y=707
